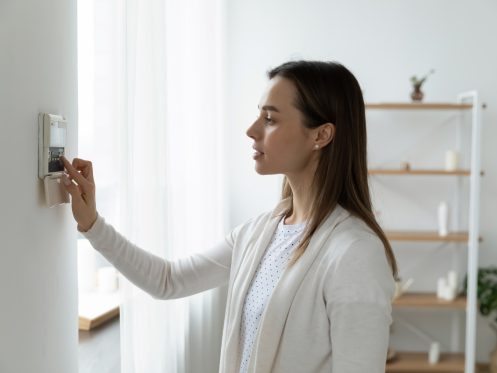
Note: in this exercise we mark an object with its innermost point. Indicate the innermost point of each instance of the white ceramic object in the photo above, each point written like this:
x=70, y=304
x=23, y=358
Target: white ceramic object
x=449, y=293
x=443, y=219
x=434, y=353
x=451, y=160
x=452, y=279
x=441, y=285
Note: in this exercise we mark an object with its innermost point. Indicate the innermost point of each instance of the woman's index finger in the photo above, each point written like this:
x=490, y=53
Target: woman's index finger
x=73, y=172
x=85, y=167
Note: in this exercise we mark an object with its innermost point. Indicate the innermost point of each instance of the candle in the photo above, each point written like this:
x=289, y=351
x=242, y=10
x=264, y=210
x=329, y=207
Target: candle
x=452, y=279
x=434, y=354
x=449, y=293
x=441, y=285
x=451, y=160
x=443, y=219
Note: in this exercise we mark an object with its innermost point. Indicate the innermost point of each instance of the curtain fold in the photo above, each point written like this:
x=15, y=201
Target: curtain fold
x=157, y=145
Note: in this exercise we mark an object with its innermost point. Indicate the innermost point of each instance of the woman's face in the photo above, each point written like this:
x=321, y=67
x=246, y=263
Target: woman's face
x=284, y=145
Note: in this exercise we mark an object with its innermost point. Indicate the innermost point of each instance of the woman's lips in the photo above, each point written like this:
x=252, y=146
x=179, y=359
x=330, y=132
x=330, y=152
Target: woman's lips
x=257, y=154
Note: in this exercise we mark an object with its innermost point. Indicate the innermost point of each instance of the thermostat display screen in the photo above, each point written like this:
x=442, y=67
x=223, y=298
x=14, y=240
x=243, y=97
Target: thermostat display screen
x=54, y=163
x=57, y=135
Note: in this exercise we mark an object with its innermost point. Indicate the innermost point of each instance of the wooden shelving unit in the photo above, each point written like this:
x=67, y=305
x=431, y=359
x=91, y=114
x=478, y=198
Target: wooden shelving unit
x=418, y=362
x=463, y=362
x=426, y=236
x=428, y=300
x=418, y=106
x=419, y=172
x=414, y=362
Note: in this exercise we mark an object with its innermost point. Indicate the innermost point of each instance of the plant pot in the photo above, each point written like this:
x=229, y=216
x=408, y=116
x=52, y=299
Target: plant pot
x=417, y=94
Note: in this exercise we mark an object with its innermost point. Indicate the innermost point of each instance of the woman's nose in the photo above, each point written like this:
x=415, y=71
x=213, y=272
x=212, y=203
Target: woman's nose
x=251, y=130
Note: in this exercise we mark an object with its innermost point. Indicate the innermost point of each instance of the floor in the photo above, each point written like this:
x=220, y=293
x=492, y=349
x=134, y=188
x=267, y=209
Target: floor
x=99, y=349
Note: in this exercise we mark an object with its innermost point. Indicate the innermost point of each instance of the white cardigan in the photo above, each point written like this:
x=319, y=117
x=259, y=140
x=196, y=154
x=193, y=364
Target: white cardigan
x=330, y=312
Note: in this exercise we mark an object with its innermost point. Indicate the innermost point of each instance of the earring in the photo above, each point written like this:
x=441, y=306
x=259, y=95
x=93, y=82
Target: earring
x=316, y=146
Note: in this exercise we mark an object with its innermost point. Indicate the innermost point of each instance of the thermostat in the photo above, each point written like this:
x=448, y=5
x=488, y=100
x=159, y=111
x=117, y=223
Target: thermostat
x=52, y=136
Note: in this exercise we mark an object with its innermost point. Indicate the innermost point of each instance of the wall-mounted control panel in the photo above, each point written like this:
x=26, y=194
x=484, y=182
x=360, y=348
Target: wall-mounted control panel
x=52, y=130
x=52, y=143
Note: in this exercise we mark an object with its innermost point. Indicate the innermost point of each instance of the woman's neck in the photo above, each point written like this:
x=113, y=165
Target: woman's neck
x=301, y=202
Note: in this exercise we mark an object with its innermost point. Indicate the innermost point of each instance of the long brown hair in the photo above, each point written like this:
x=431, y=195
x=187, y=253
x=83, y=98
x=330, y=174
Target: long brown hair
x=329, y=93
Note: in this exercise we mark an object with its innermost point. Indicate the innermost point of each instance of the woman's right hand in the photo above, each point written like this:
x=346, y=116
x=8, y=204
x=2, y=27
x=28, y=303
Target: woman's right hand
x=83, y=201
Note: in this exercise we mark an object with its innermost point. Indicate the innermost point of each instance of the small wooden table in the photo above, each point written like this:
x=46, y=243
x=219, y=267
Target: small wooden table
x=95, y=308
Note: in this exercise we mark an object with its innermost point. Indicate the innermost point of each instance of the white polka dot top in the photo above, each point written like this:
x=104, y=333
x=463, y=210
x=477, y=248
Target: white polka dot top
x=278, y=253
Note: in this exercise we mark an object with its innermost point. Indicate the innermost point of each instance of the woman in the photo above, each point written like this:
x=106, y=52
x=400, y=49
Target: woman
x=310, y=283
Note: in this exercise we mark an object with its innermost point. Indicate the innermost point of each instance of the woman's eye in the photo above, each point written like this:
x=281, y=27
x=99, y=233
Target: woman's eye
x=267, y=119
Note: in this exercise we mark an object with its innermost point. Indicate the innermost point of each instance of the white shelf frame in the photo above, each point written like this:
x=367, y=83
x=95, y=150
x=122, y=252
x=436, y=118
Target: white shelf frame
x=474, y=229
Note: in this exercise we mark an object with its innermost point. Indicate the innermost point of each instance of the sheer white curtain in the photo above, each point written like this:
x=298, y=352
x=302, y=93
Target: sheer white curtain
x=151, y=122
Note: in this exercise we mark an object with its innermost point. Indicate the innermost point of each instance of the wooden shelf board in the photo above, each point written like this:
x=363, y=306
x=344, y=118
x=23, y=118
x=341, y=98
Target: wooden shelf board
x=428, y=300
x=418, y=172
x=482, y=368
x=94, y=309
x=418, y=362
x=418, y=106
x=426, y=236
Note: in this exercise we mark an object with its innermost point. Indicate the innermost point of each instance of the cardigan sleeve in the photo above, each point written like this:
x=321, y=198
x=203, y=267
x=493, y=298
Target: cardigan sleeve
x=161, y=278
x=358, y=295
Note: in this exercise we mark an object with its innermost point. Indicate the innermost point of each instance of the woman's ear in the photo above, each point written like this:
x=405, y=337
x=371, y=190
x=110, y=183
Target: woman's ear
x=324, y=134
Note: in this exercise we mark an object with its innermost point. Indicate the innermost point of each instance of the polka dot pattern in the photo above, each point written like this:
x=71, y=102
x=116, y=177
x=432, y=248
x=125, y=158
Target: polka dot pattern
x=285, y=240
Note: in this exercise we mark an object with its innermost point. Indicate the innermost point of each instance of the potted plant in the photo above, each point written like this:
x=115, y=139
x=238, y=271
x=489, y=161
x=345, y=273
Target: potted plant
x=487, y=302
x=417, y=94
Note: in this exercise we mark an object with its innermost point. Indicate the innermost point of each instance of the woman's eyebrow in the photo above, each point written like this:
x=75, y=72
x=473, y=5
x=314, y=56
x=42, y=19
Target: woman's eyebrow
x=269, y=108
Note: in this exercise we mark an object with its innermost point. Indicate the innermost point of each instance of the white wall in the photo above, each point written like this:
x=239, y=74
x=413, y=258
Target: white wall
x=38, y=288
x=383, y=43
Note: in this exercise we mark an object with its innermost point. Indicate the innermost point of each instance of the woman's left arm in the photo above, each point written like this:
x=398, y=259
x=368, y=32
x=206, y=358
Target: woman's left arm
x=358, y=294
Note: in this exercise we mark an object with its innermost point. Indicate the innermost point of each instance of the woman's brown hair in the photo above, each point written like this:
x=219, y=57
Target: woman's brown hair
x=329, y=93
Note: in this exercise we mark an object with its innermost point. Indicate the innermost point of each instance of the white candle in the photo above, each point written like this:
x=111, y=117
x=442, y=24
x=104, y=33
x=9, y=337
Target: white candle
x=449, y=293
x=434, y=354
x=452, y=279
x=441, y=285
x=443, y=219
x=451, y=160
x=107, y=279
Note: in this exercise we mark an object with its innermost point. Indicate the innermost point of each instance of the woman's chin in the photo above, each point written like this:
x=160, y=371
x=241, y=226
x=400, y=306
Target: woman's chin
x=263, y=171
